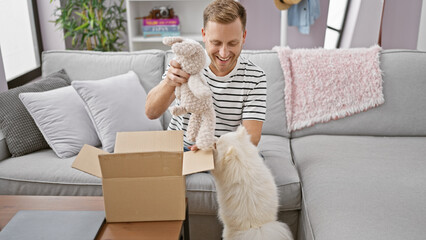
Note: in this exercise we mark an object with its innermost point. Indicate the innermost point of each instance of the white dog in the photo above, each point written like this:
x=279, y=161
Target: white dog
x=246, y=191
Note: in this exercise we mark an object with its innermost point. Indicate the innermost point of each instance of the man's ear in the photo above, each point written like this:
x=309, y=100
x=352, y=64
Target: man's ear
x=203, y=33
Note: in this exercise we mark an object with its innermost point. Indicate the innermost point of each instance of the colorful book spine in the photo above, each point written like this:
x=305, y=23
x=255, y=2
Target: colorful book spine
x=165, y=21
x=161, y=28
x=160, y=34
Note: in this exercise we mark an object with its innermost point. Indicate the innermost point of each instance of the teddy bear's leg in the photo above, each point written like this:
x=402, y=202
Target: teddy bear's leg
x=178, y=110
x=193, y=126
x=206, y=137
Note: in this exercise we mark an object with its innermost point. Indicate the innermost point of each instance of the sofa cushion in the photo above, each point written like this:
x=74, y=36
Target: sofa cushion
x=277, y=155
x=43, y=173
x=4, y=152
x=116, y=104
x=21, y=133
x=360, y=187
x=92, y=65
x=62, y=119
x=275, y=120
x=402, y=114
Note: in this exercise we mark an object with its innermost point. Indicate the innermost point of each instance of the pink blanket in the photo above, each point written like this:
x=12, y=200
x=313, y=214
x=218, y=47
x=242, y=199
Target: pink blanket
x=322, y=84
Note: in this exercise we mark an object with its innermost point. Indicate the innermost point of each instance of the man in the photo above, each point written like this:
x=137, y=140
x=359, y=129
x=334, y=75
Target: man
x=238, y=86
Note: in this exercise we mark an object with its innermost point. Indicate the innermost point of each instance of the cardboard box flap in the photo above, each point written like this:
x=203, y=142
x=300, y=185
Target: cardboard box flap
x=87, y=160
x=198, y=161
x=149, y=164
x=150, y=141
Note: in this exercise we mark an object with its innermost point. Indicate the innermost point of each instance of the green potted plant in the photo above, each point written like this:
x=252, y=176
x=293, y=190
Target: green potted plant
x=91, y=24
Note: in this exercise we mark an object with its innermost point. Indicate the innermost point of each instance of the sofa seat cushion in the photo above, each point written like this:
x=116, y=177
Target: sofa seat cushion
x=43, y=173
x=276, y=153
x=201, y=194
x=359, y=187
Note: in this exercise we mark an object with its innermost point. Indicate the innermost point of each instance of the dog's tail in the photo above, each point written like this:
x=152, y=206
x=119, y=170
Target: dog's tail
x=271, y=231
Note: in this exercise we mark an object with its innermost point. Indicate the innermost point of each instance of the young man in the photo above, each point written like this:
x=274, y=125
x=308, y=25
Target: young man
x=238, y=86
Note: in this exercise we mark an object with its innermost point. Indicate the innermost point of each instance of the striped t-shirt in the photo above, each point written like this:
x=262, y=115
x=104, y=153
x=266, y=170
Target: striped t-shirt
x=240, y=95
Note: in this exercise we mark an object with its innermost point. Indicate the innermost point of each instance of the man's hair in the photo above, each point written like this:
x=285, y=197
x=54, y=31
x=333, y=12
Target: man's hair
x=225, y=11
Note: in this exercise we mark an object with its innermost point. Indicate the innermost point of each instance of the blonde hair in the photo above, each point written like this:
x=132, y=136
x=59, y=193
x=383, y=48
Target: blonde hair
x=225, y=11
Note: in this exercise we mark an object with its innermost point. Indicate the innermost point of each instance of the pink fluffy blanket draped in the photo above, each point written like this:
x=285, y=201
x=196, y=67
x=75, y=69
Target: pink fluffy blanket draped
x=326, y=84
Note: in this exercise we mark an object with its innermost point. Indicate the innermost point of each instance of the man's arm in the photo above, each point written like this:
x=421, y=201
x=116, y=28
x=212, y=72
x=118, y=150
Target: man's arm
x=254, y=128
x=162, y=95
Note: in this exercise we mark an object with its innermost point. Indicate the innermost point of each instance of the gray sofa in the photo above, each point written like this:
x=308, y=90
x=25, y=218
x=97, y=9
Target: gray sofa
x=360, y=177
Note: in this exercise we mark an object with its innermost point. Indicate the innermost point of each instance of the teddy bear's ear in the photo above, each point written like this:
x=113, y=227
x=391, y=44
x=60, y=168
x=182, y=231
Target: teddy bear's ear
x=169, y=41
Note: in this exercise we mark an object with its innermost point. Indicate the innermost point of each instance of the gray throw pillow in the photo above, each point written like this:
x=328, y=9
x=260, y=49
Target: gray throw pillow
x=20, y=131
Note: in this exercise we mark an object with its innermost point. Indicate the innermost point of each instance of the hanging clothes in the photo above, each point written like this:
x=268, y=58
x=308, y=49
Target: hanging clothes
x=303, y=15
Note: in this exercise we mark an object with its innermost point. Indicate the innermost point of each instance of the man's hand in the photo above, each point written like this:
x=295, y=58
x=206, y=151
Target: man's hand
x=175, y=76
x=162, y=95
x=194, y=148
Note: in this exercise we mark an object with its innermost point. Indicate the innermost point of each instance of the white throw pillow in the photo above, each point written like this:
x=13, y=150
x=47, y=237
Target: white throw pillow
x=62, y=119
x=116, y=104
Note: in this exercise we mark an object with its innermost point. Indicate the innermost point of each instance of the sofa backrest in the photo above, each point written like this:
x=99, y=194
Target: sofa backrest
x=90, y=65
x=275, y=123
x=404, y=110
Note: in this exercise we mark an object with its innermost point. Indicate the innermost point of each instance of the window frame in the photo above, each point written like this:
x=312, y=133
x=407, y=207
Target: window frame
x=35, y=73
x=340, y=32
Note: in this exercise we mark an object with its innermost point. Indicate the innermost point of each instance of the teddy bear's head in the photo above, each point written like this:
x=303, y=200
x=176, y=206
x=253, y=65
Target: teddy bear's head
x=189, y=53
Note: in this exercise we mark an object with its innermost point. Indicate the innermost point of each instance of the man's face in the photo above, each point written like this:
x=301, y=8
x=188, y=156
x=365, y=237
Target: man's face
x=223, y=43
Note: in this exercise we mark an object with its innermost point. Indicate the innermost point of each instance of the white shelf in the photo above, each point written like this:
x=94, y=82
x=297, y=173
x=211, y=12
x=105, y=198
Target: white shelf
x=141, y=39
x=190, y=14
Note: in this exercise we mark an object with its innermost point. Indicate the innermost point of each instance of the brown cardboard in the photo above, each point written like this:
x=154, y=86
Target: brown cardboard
x=198, y=161
x=144, y=179
x=85, y=160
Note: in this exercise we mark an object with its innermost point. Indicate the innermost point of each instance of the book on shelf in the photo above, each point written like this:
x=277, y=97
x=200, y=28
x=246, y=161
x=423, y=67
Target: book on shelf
x=161, y=21
x=161, y=34
x=161, y=28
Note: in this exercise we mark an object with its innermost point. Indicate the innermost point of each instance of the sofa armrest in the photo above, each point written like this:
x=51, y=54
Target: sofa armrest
x=4, y=151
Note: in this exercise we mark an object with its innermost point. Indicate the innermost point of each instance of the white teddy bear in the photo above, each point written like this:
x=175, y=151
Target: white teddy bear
x=195, y=96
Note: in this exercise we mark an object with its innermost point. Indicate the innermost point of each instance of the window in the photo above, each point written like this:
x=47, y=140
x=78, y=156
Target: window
x=337, y=12
x=20, y=41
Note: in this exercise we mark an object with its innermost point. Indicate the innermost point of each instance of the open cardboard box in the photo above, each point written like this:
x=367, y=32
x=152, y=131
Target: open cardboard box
x=144, y=179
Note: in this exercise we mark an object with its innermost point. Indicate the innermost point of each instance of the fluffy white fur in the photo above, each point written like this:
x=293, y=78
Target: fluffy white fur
x=195, y=96
x=246, y=191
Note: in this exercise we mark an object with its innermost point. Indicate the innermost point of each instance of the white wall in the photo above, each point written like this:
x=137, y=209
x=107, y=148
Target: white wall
x=421, y=42
x=317, y=31
x=400, y=27
x=52, y=36
x=263, y=24
x=363, y=24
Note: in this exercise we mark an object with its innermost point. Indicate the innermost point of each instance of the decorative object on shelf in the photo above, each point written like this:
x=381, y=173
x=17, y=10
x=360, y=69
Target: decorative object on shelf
x=161, y=22
x=161, y=12
x=93, y=24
